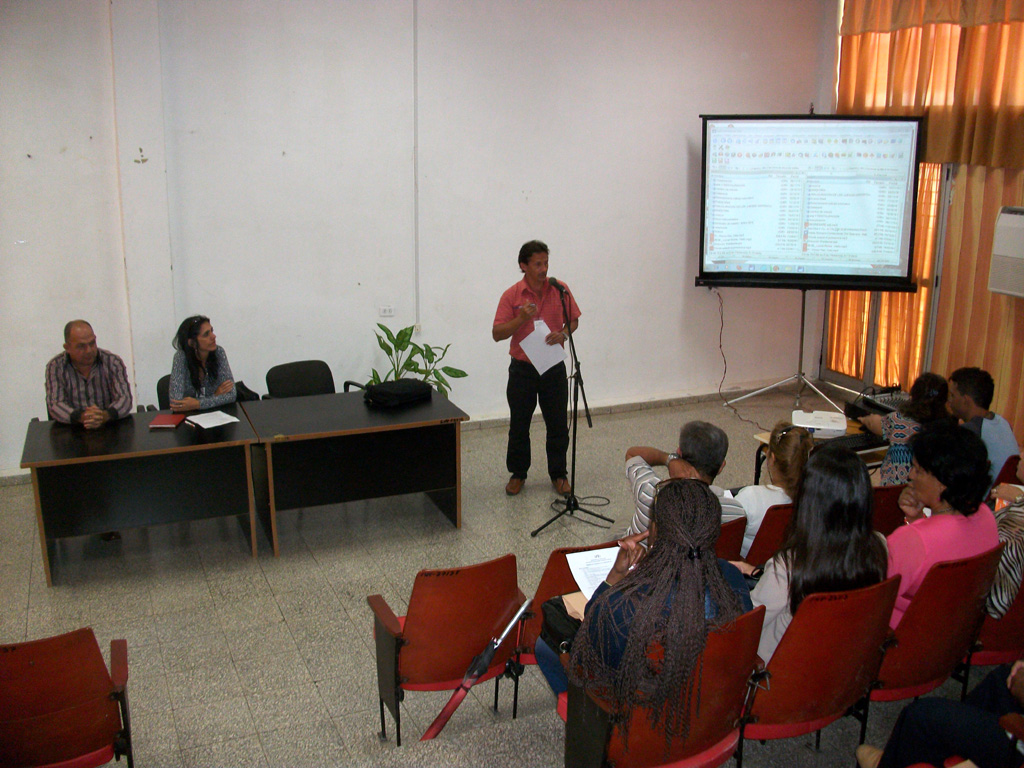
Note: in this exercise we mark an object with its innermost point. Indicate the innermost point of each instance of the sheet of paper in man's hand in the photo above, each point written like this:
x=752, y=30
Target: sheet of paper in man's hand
x=543, y=355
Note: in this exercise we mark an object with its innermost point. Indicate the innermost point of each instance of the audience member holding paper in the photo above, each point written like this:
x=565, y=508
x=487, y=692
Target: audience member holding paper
x=530, y=314
x=671, y=593
x=200, y=373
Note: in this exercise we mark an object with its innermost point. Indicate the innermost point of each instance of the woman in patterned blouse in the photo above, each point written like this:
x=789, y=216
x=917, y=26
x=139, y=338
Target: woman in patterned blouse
x=927, y=404
x=200, y=373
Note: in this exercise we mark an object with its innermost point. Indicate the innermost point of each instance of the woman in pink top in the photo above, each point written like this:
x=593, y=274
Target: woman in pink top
x=949, y=475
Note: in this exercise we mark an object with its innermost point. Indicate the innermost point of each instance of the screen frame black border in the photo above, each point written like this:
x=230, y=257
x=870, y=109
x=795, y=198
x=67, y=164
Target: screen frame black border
x=816, y=281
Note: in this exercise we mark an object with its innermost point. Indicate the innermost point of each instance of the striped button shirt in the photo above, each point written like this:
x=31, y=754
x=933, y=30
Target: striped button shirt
x=68, y=392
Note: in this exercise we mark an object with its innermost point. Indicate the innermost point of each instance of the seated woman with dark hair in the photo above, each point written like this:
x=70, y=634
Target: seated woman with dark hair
x=830, y=545
x=950, y=478
x=669, y=595
x=200, y=374
x=787, y=451
x=927, y=405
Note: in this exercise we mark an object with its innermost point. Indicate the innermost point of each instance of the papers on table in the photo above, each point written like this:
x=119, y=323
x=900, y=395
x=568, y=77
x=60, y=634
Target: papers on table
x=210, y=419
x=541, y=354
x=589, y=568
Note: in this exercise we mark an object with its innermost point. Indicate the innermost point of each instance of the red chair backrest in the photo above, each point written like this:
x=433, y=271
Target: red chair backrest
x=724, y=669
x=453, y=613
x=887, y=516
x=1002, y=640
x=939, y=626
x=770, y=535
x=1008, y=474
x=556, y=580
x=55, y=700
x=829, y=656
x=730, y=539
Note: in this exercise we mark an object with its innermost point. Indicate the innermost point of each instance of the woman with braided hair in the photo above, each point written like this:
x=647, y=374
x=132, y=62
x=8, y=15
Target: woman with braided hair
x=659, y=603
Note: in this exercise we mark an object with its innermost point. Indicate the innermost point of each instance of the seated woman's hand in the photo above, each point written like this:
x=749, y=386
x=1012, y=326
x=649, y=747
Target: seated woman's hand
x=630, y=553
x=744, y=567
x=185, y=404
x=1008, y=493
x=872, y=423
x=225, y=387
x=911, y=506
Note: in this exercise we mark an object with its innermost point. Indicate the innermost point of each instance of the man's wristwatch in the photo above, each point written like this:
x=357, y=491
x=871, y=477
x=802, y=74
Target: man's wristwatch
x=673, y=457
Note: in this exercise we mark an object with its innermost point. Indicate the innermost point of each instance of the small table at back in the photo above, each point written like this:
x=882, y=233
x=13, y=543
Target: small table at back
x=125, y=475
x=329, y=449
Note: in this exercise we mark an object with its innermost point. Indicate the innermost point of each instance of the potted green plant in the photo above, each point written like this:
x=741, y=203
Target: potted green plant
x=411, y=360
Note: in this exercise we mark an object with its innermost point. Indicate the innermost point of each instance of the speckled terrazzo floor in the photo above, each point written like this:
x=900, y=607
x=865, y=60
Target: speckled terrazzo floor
x=236, y=661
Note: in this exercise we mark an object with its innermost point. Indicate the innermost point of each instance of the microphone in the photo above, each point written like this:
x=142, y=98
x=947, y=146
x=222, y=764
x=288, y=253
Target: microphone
x=556, y=284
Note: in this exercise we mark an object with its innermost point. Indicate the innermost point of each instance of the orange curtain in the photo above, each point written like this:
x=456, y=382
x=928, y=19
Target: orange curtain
x=903, y=317
x=975, y=326
x=960, y=63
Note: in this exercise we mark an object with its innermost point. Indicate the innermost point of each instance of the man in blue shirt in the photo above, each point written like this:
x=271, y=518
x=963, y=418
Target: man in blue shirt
x=970, y=395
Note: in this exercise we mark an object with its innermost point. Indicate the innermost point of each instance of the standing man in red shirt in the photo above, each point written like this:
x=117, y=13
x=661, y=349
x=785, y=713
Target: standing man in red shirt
x=531, y=299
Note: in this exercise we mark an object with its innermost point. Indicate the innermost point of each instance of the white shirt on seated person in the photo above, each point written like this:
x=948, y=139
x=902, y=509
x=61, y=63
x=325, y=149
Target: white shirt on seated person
x=755, y=500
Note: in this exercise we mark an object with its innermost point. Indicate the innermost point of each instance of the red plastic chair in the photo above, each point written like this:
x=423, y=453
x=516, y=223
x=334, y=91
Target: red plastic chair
x=1008, y=474
x=824, y=665
x=770, y=535
x=730, y=540
x=724, y=668
x=938, y=628
x=453, y=614
x=60, y=706
x=887, y=515
x=1000, y=641
x=556, y=580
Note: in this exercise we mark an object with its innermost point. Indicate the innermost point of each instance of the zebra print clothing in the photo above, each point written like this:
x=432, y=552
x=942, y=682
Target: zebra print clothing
x=1010, y=522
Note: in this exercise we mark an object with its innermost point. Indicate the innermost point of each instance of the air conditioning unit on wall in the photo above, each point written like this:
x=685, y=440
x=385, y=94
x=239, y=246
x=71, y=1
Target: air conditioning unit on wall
x=1006, y=271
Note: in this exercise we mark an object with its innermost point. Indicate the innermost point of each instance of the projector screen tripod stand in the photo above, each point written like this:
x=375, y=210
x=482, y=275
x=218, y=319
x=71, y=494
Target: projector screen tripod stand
x=799, y=375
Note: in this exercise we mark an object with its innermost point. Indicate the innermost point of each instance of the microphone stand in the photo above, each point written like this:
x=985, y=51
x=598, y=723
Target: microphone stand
x=571, y=503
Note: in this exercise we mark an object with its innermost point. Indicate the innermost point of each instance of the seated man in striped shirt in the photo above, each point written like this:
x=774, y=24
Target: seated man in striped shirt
x=86, y=385
x=700, y=456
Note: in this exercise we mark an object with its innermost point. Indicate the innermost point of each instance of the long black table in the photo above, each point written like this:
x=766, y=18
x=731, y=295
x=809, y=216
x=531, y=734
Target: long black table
x=327, y=449
x=128, y=476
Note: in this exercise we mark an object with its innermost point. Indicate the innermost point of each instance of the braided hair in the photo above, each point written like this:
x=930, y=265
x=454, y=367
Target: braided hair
x=664, y=602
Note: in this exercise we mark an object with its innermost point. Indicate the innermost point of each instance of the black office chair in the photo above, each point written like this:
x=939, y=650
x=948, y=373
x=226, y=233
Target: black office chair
x=163, y=397
x=304, y=377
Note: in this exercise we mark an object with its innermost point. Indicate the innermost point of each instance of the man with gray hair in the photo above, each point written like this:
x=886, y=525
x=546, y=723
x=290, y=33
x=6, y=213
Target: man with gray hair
x=700, y=455
x=86, y=385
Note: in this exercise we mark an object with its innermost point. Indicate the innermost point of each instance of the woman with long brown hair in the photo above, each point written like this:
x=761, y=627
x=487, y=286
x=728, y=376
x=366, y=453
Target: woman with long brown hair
x=830, y=546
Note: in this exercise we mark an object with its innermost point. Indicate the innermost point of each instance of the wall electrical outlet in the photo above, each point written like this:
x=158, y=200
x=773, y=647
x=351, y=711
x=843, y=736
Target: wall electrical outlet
x=386, y=310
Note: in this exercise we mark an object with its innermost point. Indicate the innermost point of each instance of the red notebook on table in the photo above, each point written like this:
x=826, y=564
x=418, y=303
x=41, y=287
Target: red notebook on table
x=166, y=420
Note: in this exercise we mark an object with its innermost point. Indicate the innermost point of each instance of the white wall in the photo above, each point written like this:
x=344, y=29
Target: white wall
x=60, y=237
x=307, y=162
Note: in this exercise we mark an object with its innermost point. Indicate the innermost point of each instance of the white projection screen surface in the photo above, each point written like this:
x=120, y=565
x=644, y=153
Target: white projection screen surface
x=809, y=202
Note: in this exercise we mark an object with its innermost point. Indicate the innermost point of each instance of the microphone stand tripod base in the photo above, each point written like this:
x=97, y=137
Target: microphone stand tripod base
x=569, y=506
